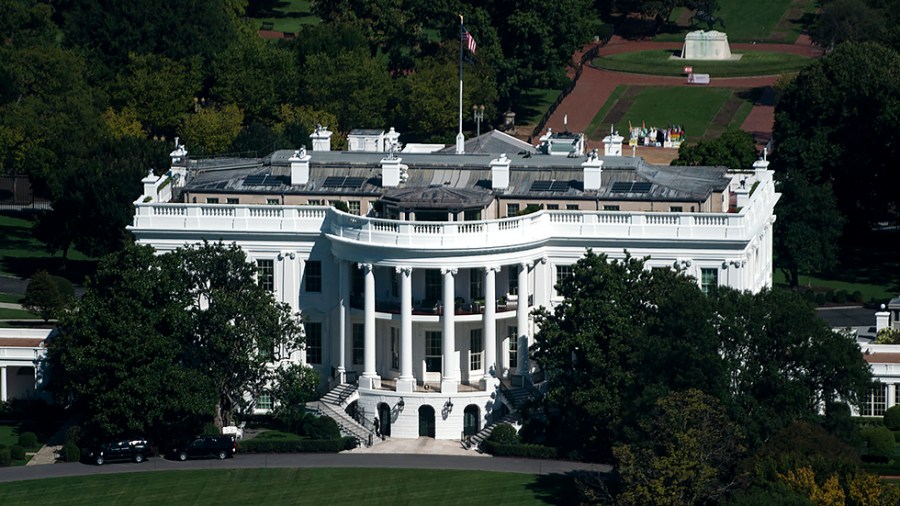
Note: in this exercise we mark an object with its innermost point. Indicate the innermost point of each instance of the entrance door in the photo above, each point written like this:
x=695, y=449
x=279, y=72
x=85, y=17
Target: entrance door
x=384, y=419
x=470, y=420
x=426, y=421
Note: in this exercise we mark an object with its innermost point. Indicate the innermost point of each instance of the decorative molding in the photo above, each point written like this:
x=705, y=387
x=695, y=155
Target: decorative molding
x=287, y=254
x=449, y=270
x=492, y=268
x=365, y=267
x=405, y=270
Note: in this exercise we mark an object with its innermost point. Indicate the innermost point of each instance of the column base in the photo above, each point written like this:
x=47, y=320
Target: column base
x=406, y=385
x=370, y=382
x=449, y=386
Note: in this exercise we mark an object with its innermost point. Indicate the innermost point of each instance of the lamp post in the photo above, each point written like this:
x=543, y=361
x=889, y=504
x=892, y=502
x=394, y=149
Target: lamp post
x=478, y=113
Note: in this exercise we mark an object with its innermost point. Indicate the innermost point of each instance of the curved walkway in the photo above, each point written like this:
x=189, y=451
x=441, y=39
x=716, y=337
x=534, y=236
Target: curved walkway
x=596, y=85
x=306, y=460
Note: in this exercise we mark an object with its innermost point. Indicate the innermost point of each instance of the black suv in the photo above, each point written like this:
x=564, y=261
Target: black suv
x=219, y=447
x=137, y=449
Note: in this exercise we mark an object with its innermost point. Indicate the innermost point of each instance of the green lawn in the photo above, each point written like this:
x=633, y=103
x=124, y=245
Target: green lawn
x=749, y=21
x=533, y=104
x=288, y=16
x=597, y=130
x=871, y=292
x=659, y=62
x=17, y=314
x=21, y=255
x=11, y=298
x=389, y=487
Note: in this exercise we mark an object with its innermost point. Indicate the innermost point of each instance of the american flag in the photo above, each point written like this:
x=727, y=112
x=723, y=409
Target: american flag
x=469, y=40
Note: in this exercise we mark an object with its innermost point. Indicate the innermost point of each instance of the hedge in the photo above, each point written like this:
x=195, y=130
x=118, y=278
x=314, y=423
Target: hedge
x=17, y=452
x=5, y=457
x=520, y=450
x=28, y=440
x=891, y=418
x=296, y=446
x=70, y=453
x=879, y=444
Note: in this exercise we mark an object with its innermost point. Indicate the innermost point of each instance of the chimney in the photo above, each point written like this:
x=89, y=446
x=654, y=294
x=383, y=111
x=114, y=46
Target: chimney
x=593, y=169
x=392, y=138
x=390, y=171
x=321, y=139
x=500, y=173
x=149, y=183
x=299, y=166
x=882, y=319
x=612, y=144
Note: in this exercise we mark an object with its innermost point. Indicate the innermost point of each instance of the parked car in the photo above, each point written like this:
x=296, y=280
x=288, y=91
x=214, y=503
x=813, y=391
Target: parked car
x=137, y=449
x=219, y=447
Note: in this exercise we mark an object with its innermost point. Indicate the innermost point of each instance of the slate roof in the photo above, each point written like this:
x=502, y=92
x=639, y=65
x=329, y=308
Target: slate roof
x=492, y=142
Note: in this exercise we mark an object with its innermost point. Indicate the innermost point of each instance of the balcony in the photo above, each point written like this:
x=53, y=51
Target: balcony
x=430, y=307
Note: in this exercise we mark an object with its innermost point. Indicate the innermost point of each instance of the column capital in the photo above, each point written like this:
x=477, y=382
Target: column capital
x=364, y=266
x=287, y=254
x=492, y=268
x=403, y=269
x=526, y=265
x=449, y=270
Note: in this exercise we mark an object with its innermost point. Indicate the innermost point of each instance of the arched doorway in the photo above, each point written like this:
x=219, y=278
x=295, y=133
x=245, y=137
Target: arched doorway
x=384, y=419
x=471, y=420
x=426, y=421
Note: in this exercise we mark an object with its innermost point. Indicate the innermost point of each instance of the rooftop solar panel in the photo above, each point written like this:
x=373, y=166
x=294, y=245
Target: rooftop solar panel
x=343, y=182
x=631, y=187
x=549, y=186
x=621, y=187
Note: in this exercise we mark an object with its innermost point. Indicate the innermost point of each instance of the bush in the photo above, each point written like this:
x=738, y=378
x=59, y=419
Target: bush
x=28, y=440
x=856, y=296
x=820, y=299
x=841, y=296
x=520, y=450
x=73, y=434
x=210, y=429
x=17, y=452
x=504, y=434
x=829, y=296
x=321, y=427
x=879, y=444
x=892, y=418
x=257, y=445
x=5, y=457
x=809, y=296
x=70, y=453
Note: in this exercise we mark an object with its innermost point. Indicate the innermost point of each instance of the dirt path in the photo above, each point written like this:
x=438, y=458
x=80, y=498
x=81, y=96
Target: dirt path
x=596, y=85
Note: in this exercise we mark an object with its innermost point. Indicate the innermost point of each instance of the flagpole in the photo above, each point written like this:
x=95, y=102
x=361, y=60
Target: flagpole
x=460, y=139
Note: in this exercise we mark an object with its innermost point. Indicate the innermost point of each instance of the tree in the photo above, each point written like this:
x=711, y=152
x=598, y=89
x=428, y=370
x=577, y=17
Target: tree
x=847, y=21
x=689, y=457
x=45, y=296
x=295, y=124
x=212, y=129
x=734, y=149
x=292, y=387
x=352, y=85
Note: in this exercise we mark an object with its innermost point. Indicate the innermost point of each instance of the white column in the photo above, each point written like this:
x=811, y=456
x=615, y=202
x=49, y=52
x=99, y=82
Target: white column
x=491, y=372
x=522, y=320
x=370, y=377
x=4, y=394
x=450, y=367
x=406, y=382
x=343, y=318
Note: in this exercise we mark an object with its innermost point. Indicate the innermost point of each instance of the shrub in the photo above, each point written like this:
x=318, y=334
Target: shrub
x=28, y=440
x=210, y=429
x=841, y=296
x=879, y=444
x=5, y=457
x=856, y=296
x=17, y=452
x=321, y=427
x=529, y=451
x=73, y=434
x=70, y=453
x=892, y=418
x=504, y=434
x=809, y=296
x=258, y=445
x=829, y=296
x=820, y=299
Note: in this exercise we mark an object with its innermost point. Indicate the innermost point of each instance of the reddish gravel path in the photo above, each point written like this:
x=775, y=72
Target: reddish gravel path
x=596, y=85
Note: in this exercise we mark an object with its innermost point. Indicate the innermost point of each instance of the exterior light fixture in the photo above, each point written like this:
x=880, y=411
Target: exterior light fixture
x=401, y=404
x=448, y=405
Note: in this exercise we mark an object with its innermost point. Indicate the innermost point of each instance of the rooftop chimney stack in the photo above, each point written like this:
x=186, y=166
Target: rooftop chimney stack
x=299, y=166
x=612, y=144
x=321, y=139
x=500, y=172
x=390, y=169
x=593, y=170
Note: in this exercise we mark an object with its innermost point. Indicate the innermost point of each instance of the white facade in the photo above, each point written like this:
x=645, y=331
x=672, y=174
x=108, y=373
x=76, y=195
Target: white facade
x=375, y=293
x=22, y=353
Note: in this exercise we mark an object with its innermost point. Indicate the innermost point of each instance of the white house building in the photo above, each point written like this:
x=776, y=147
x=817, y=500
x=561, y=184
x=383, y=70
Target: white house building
x=421, y=292
x=22, y=354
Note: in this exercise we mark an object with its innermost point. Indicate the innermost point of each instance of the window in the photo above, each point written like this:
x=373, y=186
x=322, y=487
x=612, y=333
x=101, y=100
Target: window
x=709, y=279
x=472, y=215
x=272, y=202
x=513, y=280
x=875, y=403
x=395, y=348
x=353, y=205
x=476, y=284
x=212, y=200
x=359, y=343
x=611, y=208
x=512, y=210
x=676, y=209
x=395, y=284
x=433, y=285
x=314, y=202
x=264, y=401
x=433, y=351
x=562, y=272
x=571, y=207
x=552, y=207
x=313, y=274
x=313, y=342
x=232, y=201
x=265, y=274
x=513, y=334
x=476, y=350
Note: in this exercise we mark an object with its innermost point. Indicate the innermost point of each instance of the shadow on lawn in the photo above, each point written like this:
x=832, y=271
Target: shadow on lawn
x=567, y=488
x=75, y=271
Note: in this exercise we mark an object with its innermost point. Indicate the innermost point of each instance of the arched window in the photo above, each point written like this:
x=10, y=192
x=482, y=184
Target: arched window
x=426, y=421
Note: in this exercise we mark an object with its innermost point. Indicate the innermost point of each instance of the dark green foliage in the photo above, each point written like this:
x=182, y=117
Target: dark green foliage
x=802, y=444
x=892, y=418
x=529, y=451
x=734, y=149
x=504, y=433
x=856, y=296
x=70, y=453
x=5, y=457
x=839, y=422
x=340, y=205
x=17, y=452
x=297, y=446
x=28, y=440
x=45, y=297
x=321, y=427
x=879, y=444
x=293, y=387
x=73, y=434
x=820, y=299
x=210, y=429
x=770, y=494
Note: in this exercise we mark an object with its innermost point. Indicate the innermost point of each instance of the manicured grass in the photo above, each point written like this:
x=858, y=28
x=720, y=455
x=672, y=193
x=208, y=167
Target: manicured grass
x=533, y=104
x=389, y=487
x=288, y=16
x=17, y=314
x=691, y=108
x=21, y=255
x=9, y=434
x=744, y=21
x=658, y=62
x=597, y=130
x=870, y=292
x=11, y=298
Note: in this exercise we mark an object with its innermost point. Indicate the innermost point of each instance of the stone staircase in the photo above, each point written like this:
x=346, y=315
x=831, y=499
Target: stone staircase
x=514, y=397
x=332, y=405
x=474, y=442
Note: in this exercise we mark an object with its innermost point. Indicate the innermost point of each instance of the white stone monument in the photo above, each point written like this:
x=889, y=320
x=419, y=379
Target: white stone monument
x=703, y=45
